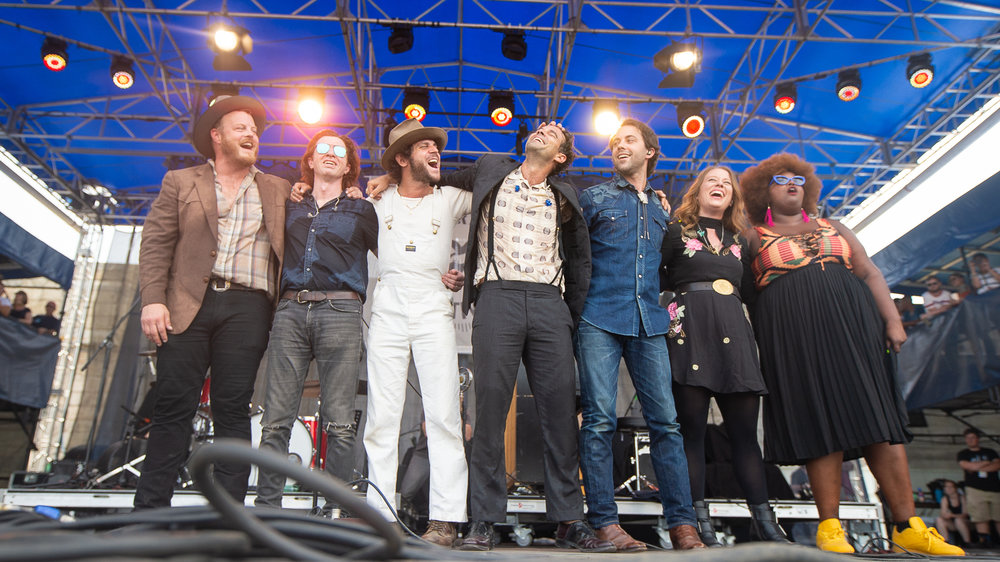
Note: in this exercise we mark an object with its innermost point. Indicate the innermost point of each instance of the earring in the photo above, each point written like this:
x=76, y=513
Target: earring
x=768, y=218
x=805, y=217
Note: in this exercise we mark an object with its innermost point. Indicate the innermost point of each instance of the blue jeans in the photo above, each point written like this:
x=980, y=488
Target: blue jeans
x=329, y=332
x=598, y=354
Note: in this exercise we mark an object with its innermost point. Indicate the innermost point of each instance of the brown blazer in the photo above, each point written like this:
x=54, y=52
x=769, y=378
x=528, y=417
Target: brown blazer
x=180, y=239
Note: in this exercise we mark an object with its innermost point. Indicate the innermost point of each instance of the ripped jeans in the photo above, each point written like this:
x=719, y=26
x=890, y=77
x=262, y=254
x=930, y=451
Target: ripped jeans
x=328, y=332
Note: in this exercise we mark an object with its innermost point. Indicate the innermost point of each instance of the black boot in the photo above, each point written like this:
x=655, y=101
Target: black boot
x=764, y=526
x=705, y=530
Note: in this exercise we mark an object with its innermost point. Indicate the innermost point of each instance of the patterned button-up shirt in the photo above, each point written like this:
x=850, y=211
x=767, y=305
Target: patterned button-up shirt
x=525, y=234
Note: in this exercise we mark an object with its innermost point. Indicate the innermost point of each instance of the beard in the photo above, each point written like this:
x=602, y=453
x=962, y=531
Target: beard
x=231, y=149
x=423, y=173
x=630, y=166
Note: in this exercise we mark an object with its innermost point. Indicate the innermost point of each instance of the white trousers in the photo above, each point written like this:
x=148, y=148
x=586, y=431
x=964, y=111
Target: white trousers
x=417, y=320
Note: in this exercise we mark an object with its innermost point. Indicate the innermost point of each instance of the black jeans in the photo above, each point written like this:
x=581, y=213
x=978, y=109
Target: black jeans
x=529, y=322
x=229, y=335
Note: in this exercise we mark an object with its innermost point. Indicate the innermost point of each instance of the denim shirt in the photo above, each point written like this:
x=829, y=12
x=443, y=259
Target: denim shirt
x=625, y=239
x=326, y=249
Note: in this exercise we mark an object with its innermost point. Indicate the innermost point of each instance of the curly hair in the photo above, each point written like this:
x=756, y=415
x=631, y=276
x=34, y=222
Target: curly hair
x=353, y=160
x=757, y=179
x=734, y=219
x=566, y=147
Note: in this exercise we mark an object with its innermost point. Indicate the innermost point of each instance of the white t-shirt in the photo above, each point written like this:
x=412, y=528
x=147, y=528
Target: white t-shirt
x=937, y=304
x=988, y=281
x=415, y=234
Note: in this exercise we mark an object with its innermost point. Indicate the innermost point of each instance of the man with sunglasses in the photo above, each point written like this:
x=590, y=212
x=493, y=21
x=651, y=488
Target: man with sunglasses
x=323, y=286
x=937, y=300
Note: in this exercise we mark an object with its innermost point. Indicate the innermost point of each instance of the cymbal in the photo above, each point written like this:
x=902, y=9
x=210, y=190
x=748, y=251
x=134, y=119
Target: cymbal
x=149, y=353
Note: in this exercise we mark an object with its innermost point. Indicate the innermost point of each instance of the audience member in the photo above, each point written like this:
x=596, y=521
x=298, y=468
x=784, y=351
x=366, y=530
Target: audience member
x=982, y=484
x=936, y=299
x=953, y=516
x=47, y=324
x=959, y=286
x=984, y=277
x=19, y=309
x=909, y=313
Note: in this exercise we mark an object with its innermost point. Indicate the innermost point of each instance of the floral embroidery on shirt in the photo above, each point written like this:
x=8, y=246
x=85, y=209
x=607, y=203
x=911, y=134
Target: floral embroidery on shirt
x=676, y=313
x=691, y=245
x=735, y=250
x=694, y=240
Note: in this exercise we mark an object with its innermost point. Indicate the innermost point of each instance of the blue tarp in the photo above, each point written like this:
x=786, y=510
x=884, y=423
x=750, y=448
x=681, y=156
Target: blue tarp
x=27, y=364
x=953, y=226
x=956, y=353
x=34, y=256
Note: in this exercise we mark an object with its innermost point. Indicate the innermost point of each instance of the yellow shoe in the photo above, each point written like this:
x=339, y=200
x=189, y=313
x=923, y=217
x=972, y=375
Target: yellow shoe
x=922, y=539
x=830, y=537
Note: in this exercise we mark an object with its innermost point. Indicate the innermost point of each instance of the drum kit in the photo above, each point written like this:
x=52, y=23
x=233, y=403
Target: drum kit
x=121, y=464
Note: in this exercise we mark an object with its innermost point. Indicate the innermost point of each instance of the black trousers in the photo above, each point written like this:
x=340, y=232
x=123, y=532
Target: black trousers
x=229, y=335
x=529, y=322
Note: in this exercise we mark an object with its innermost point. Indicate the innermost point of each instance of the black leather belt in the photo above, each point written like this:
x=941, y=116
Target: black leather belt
x=317, y=296
x=221, y=285
x=721, y=286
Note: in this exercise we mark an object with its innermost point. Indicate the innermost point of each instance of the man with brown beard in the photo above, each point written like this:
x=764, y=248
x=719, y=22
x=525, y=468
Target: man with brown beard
x=211, y=252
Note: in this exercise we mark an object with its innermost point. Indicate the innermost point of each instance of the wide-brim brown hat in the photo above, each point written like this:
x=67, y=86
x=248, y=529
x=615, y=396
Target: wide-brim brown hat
x=407, y=133
x=202, y=137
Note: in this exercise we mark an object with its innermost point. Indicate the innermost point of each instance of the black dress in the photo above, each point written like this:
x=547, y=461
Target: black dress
x=823, y=352
x=710, y=339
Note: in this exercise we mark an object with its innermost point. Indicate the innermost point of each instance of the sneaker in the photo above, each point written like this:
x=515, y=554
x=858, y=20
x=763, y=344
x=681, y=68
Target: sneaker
x=831, y=538
x=441, y=533
x=922, y=539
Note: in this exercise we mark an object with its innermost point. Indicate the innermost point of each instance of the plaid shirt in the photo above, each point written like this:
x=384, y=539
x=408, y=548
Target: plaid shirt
x=245, y=255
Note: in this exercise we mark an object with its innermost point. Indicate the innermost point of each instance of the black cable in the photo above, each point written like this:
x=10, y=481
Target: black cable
x=235, y=451
x=76, y=546
x=387, y=505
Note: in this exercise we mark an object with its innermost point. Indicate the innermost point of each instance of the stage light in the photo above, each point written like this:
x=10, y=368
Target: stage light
x=785, y=97
x=522, y=135
x=390, y=124
x=401, y=39
x=680, y=62
x=501, y=108
x=415, y=102
x=919, y=70
x=606, y=118
x=54, y=54
x=121, y=72
x=222, y=90
x=228, y=42
x=849, y=85
x=691, y=118
x=513, y=45
x=311, y=105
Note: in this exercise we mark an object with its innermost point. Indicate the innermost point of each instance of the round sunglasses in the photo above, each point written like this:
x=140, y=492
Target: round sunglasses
x=323, y=148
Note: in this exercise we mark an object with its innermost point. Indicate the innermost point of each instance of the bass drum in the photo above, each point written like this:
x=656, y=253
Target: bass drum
x=300, y=445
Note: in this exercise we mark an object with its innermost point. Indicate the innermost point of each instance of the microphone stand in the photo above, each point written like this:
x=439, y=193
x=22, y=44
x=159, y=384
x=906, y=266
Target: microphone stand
x=106, y=345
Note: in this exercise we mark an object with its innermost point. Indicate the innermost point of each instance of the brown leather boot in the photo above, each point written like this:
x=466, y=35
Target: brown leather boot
x=617, y=536
x=685, y=537
x=441, y=533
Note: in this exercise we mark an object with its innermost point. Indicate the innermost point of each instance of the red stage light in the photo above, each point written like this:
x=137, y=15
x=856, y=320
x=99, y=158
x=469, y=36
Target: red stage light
x=784, y=98
x=849, y=85
x=415, y=111
x=54, y=54
x=693, y=126
x=501, y=116
x=919, y=70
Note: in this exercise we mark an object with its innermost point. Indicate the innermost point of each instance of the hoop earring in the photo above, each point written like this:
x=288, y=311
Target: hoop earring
x=768, y=218
x=805, y=217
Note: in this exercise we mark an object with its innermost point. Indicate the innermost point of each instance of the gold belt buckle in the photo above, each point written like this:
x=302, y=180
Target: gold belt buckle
x=298, y=296
x=217, y=288
x=722, y=286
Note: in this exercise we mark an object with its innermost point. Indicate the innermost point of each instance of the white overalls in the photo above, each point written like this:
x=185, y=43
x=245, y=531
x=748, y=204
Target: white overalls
x=412, y=312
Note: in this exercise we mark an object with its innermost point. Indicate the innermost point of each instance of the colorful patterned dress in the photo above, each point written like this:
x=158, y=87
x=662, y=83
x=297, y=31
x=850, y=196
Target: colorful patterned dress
x=710, y=339
x=822, y=351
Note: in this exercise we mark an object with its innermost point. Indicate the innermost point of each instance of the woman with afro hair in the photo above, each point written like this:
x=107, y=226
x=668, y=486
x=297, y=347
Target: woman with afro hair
x=826, y=328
